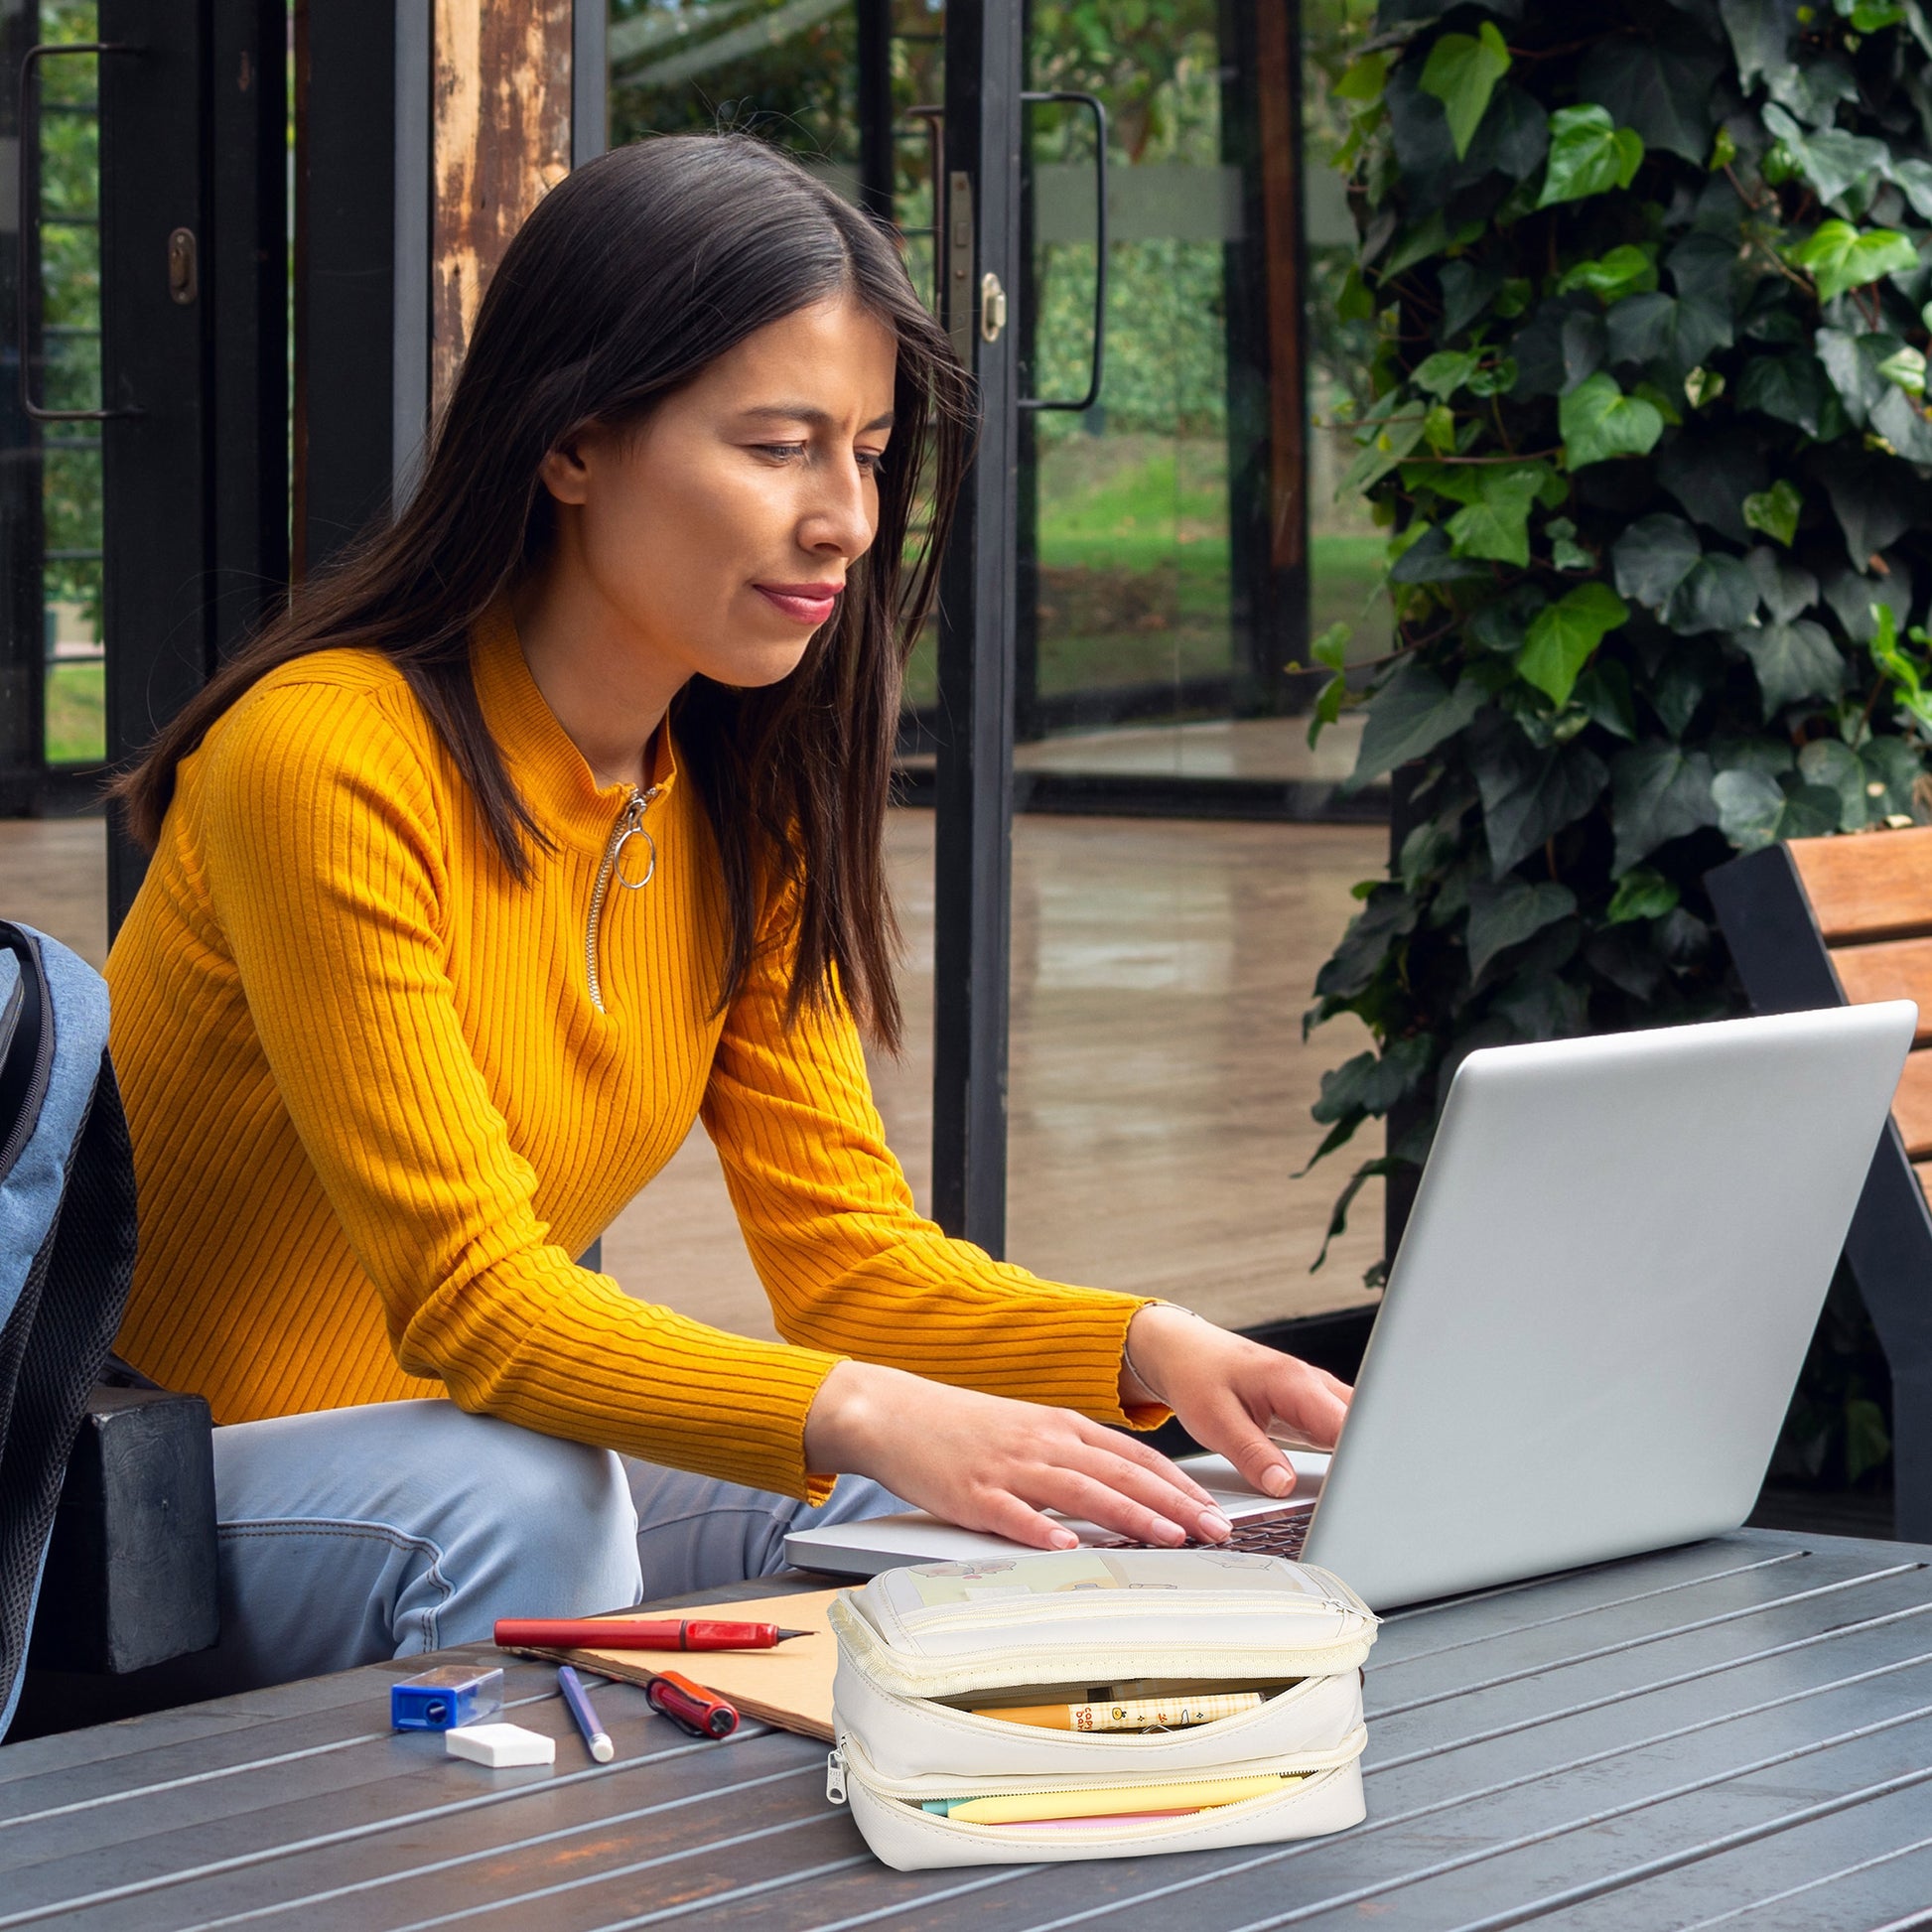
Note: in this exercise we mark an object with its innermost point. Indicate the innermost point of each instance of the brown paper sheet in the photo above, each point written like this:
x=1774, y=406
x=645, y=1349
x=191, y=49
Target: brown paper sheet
x=789, y=1686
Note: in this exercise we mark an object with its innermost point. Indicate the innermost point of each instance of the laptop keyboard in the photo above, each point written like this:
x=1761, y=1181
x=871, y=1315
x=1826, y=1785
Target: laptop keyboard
x=1269, y=1533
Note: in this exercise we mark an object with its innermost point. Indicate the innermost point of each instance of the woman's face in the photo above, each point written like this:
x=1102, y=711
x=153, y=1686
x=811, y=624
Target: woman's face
x=714, y=536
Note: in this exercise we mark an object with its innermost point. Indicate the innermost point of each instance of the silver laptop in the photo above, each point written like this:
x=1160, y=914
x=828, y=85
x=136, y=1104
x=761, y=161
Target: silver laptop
x=1595, y=1319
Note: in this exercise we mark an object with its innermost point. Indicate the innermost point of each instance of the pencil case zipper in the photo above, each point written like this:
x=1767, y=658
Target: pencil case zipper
x=1003, y=1613
x=1005, y=1668
x=849, y=1754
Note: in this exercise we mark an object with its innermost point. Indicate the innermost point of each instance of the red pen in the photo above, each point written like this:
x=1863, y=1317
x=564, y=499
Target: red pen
x=638, y=1634
x=689, y=1705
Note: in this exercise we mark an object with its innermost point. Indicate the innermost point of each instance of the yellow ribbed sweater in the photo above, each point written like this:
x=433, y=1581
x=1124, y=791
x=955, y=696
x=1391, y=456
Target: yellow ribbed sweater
x=376, y=1109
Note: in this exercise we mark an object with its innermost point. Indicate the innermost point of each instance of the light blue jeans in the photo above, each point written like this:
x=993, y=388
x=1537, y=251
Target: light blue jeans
x=353, y=1535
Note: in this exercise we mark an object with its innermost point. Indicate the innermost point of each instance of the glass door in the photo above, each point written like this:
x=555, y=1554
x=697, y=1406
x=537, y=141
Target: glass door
x=1182, y=539
x=53, y=708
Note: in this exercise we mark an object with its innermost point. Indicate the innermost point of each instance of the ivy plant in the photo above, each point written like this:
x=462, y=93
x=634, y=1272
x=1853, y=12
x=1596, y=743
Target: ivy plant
x=1650, y=288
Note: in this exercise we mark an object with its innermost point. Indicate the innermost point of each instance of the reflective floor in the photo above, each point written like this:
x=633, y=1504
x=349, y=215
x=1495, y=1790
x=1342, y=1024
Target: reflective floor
x=1217, y=747
x=1160, y=1084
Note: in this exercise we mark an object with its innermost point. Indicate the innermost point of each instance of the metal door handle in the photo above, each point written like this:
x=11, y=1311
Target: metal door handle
x=1092, y=103
x=28, y=122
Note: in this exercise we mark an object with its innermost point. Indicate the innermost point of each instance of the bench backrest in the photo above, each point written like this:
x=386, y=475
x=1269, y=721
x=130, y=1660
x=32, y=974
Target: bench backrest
x=1872, y=899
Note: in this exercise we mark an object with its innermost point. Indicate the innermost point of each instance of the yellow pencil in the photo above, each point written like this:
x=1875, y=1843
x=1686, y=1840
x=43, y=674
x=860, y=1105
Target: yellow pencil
x=1020, y=1810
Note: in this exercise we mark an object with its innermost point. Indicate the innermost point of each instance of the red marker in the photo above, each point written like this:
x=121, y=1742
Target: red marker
x=689, y=1705
x=638, y=1634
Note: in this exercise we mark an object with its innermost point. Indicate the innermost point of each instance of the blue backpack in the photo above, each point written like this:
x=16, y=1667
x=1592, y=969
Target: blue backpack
x=67, y=1249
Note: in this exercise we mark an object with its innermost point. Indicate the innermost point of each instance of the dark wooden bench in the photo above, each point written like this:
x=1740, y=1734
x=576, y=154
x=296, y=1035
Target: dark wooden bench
x=1846, y=922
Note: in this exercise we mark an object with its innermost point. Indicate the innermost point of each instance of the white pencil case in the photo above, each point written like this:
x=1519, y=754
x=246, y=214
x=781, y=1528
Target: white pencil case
x=918, y=1645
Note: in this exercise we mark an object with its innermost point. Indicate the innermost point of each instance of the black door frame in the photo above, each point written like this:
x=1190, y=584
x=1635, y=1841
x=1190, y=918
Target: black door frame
x=973, y=782
x=194, y=364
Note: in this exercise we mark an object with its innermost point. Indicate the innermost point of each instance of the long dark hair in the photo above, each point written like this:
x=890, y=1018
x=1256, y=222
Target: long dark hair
x=629, y=278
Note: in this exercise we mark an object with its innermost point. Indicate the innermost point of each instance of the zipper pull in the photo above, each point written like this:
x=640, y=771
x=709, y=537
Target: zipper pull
x=835, y=1777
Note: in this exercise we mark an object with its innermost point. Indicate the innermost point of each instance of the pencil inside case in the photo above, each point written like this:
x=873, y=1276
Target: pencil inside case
x=1139, y=1704
x=930, y=1658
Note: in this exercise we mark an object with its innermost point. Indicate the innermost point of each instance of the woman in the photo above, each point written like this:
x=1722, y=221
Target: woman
x=548, y=822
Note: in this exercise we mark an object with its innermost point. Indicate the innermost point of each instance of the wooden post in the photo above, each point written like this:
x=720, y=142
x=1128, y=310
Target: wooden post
x=502, y=137
x=1278, y=103
x=1267, y=348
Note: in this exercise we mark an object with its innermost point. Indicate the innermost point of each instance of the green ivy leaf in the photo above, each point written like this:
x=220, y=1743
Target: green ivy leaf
x=1892, y=768
x=1719, y=594
x=1330, y=646
x=1914, y=179
x=1498, y=379
x=1628, y=270
x=1527, y=796
x=1839, y=256
x=1854, y=364
x=1461, y=73
x=1658, y=791
x=1427, y=559
x=1905, y=367
x=1588, y=155
x=1383, y=446
x=1653, y=556
x=1412, y=714
x=1641, y=893
x=1372, y=1084
x=1775, y=511
x=1445, y=372
x=1661, y=85
x=1496, y=523
x=1786, y=589
x=1865, y=794
x=1564, y=551
x=1327, y=708
x=1832, y=161
x=1504, y=915
x=1793, y=661
x=1389, y=916
x=1789, y=388
x=1904, y=426
x=1598, y=421
x=1565, y=633
x=1754, y=810
x=1605, y=693
x=1857, y=600
x=1363, y=80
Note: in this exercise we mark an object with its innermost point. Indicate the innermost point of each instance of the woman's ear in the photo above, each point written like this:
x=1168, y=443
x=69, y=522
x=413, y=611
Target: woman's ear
x=566, y=476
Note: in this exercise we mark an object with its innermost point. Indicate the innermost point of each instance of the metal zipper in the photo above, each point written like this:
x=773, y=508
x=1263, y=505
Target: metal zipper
x=630, y=825
x=1307, y=1764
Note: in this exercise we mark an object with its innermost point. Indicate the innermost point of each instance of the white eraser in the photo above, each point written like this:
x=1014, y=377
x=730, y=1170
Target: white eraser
x=501, y=1747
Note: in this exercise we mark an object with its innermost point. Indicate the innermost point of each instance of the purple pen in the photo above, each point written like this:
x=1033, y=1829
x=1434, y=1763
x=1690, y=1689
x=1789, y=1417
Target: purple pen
x=596, y=1738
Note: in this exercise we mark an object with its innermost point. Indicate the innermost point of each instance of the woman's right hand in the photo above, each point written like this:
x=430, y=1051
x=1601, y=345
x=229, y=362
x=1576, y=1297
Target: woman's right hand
x=986, y=1462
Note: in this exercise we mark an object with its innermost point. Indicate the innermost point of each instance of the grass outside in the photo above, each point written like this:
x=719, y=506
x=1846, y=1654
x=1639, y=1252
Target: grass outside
x=76, y=714
x=1133, y=583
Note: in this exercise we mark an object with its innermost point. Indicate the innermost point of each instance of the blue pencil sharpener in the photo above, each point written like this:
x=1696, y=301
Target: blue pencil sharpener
x=445, y=1698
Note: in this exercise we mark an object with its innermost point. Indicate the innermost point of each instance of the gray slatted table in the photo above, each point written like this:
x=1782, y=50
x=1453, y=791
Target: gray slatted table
x=1739, y=1732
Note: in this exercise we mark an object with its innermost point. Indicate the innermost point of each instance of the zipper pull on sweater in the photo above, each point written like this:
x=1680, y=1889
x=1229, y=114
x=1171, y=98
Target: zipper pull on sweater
x=631, y=825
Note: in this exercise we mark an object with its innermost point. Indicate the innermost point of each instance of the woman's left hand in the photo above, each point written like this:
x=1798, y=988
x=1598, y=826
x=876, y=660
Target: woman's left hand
x=1229, y=1391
